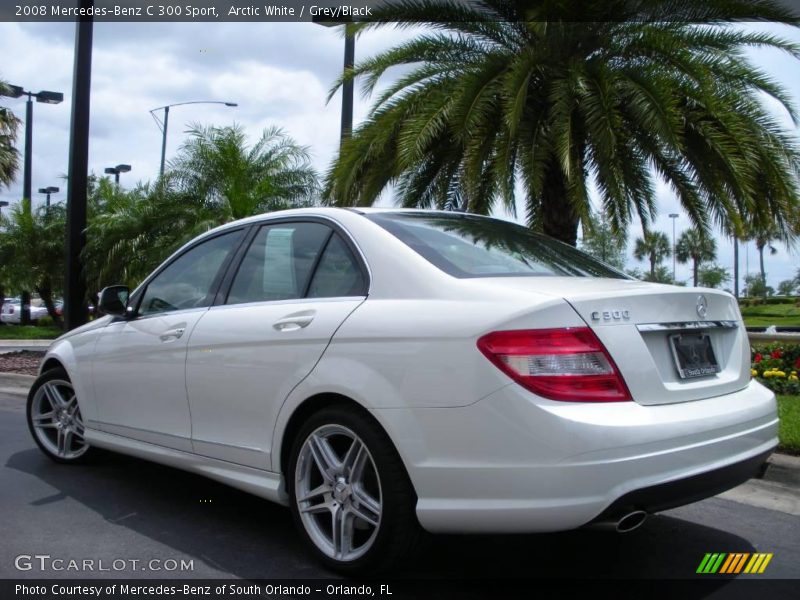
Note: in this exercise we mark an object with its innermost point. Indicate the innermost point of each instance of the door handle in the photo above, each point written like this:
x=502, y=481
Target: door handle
x=172, y=333
x=293, y=322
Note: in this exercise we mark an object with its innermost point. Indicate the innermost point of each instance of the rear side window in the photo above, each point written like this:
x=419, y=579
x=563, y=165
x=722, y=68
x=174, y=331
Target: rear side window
x=471, y=246
x=338, y=273
x=279, y=262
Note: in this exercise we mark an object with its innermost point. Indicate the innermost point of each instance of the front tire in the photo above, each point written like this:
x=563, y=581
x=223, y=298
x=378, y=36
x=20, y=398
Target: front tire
x=350, y=494
x=54, y=418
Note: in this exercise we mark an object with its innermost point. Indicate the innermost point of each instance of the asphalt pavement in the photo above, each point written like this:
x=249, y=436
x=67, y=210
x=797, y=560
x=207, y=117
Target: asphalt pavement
x=124, y=509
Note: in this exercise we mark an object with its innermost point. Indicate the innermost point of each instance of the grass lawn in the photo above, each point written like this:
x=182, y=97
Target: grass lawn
x=781, y=315
x=789, y=434
x=29, y=332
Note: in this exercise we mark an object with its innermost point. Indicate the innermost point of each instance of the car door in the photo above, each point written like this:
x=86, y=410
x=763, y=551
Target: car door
x=297, y=282
x=139, y=370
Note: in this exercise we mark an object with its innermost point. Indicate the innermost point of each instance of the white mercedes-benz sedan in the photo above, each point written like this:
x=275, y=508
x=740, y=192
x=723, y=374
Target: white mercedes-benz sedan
x=386, y=371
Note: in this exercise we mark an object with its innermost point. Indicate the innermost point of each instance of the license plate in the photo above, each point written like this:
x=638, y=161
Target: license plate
x=694, y=356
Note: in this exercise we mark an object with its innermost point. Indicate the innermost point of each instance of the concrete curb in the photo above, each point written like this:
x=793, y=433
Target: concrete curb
x=25, y=343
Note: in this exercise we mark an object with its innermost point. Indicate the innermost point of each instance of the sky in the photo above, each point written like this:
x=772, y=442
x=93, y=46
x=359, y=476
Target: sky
x=278, y=73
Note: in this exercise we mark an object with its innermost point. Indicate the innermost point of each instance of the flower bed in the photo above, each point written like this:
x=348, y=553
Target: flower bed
x=777, y=366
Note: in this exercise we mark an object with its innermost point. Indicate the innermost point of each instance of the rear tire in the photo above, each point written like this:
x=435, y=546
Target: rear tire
x=54, y=418
x=350, y=495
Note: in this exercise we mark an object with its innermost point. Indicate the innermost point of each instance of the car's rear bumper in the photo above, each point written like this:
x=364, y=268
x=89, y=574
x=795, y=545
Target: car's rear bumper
x=516, y=463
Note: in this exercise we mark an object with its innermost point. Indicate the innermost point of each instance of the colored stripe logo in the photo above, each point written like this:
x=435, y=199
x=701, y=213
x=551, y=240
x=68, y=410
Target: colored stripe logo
x=734, y=563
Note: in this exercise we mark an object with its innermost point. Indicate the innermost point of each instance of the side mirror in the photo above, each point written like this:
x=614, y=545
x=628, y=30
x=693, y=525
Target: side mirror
x=113, y=300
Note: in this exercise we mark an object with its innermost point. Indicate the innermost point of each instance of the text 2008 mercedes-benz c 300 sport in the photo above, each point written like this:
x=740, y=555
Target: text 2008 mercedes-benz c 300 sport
x=382, y=371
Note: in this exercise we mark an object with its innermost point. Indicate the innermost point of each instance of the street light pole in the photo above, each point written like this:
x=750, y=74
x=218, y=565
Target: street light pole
x=115, y=171
x=673, y=216
x=78, y=176
x=347, y=86
x=163, y=124
x=48, y=190
x=45, y=97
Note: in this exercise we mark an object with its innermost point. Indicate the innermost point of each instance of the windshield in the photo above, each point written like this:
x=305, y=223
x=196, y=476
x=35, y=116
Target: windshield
x=472, y=246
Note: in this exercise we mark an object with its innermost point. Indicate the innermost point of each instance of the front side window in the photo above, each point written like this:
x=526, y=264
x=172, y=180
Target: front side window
x=187, y=281
x=279, y=262
x=471, y=246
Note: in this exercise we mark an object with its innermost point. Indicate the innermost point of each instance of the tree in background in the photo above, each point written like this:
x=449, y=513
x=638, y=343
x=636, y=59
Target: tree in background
x=763, y=234
x=694, y=245
x=214, y=179
x=756, y=285
x=231, y=181
x=786, y=287
x=600, y=240
x=654, y=247
x=9, y=162
x=9, y=157
x=713, y=276
x=549, y=94
x=33, y=245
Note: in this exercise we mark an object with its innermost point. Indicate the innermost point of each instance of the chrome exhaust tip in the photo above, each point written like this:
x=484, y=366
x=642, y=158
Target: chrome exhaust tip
x=631, y=521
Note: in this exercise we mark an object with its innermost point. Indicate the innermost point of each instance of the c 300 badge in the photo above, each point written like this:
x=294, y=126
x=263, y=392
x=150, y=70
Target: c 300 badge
x=611, y=315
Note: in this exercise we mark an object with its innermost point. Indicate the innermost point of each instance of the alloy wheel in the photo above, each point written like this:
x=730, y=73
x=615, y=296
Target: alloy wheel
x=338, y=492
x=56, y=420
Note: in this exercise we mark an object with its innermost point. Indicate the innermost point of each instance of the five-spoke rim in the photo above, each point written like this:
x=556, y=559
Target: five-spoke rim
x=57, y=419
x=338, y=492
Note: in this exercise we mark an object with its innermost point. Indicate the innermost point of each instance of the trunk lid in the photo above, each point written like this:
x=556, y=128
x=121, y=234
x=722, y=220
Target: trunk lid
x=637, y=321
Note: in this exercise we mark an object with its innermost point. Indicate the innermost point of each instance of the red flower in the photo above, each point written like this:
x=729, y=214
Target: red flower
x=797, y=363
x=759, y=357
x=776, y=353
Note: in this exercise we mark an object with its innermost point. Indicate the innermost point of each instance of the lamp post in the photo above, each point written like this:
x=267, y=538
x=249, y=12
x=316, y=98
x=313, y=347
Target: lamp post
x=673, y=216
x=48, y=190
x=347, y=86
x=164, y=123
x=115, y=171
x=44, y=97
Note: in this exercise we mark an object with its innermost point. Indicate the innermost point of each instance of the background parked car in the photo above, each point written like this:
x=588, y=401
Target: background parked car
x=11, y=311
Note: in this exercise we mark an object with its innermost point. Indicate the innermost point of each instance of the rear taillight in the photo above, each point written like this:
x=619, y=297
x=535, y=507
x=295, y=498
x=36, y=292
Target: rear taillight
x=568, y=364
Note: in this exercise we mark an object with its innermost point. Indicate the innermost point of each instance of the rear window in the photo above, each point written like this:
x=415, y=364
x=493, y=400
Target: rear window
x=472, y=246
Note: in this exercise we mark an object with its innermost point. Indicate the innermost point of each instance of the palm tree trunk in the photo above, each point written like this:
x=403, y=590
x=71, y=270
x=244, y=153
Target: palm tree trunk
x=652, y=267
x=735, y=267
x=559, y=219
x=761, y=267
x=695, y=266
x=46, y=294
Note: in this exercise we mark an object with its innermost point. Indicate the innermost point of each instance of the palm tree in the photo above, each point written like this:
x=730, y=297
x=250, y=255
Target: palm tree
x=33, y=248
x=216, y=167
x=654, y=247
x=696, y=246
x=763, y=235
x=214, y=179
x=9, y=157
x=547, y=95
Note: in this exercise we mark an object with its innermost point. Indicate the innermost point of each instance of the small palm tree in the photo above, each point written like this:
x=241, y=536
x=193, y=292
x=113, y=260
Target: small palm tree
x=216, y=167
x=214, y=179
x=32, y=249
x=695, y=246
x=9, y=157
x=763, y=236
x=655, y=247
x=501, y=95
